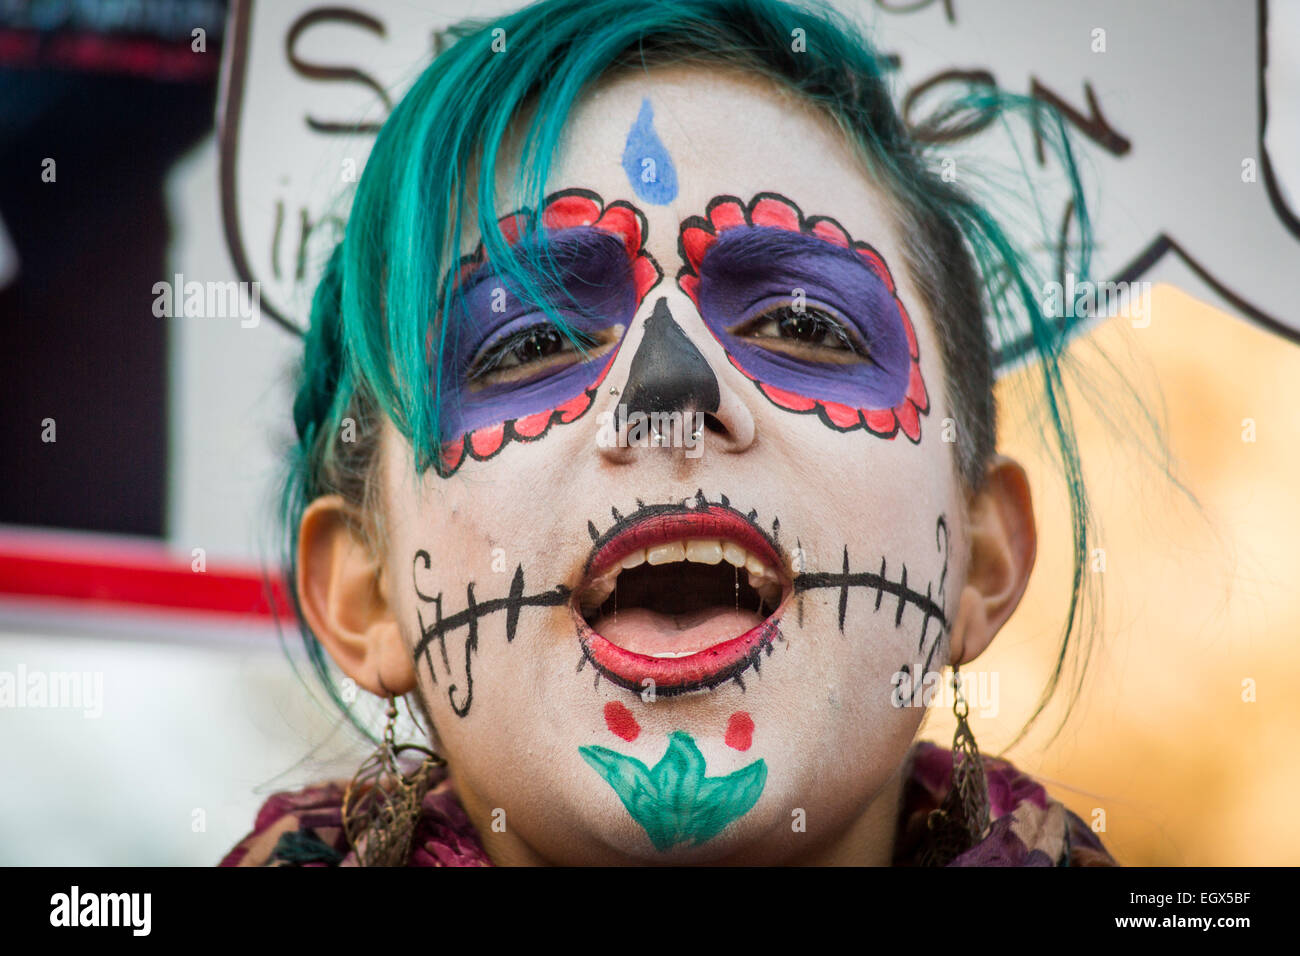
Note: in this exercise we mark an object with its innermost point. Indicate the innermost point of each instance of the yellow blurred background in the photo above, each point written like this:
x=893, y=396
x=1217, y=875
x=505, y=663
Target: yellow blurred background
x=1182, y=744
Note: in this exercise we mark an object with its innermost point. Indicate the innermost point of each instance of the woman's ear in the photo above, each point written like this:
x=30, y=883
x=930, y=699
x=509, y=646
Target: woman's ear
x=345, y=601
x=1003, y=545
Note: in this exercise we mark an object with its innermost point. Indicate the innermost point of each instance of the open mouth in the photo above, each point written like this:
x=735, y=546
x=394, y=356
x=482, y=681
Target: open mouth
x=685, y=597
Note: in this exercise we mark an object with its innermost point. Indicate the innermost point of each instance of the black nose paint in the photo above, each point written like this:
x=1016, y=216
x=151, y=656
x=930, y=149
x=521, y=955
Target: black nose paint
x=668, y=372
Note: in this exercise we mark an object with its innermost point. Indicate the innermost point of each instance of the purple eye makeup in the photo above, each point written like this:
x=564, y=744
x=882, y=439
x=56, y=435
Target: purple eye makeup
x=809, y=315
x=508, y=372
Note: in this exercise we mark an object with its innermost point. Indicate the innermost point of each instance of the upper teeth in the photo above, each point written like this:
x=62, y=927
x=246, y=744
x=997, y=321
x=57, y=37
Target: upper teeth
x=762, y=578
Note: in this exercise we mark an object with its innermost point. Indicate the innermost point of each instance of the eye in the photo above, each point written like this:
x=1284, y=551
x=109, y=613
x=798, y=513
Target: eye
x=534, y=350
x=805, y=332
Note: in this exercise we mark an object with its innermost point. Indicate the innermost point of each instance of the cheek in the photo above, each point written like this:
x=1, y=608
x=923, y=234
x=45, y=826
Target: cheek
x=472, y=592
x=481, y=574
x=882, y=603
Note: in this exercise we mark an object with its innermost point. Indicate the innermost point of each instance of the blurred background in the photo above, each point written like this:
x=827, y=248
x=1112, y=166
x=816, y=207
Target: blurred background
x=141, y=441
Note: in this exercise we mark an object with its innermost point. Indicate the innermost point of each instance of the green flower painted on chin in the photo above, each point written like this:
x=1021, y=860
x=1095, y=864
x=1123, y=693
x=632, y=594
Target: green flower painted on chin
x=673, y=801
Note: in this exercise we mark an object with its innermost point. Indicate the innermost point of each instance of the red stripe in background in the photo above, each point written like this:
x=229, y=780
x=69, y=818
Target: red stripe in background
x=137, y=578
x=91, y=52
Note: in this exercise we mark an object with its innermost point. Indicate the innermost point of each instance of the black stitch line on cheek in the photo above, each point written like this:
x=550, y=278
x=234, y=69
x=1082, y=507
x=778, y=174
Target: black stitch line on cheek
x=907, y=668
x=436, y=630
x=419, y=617
x=428, y=658
x=942, y=525
x=871, y=580
x=902, y=601
x=931, y=609
x=475, y=610
x=941, y=544
x=844, y=590
x=925, y=621
x=512, y=610
x=798, y=602
x=471, y=645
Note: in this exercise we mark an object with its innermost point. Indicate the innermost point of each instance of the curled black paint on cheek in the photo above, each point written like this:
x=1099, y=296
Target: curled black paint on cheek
x=464, y=626
x=668, y=372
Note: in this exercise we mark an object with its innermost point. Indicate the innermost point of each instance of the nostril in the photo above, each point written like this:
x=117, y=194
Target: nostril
x=714, y=424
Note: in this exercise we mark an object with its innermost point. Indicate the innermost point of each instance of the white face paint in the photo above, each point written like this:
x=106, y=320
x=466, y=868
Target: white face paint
x=549, y=725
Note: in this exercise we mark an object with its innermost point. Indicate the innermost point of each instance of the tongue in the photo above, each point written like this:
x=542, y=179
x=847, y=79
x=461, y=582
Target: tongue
x=643, y=631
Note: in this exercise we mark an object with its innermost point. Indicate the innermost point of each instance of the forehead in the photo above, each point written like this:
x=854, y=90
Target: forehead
x=724, y=133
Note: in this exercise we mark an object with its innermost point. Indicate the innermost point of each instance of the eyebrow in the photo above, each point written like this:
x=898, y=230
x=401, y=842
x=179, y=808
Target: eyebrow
x=754, y=246
x=580, y=244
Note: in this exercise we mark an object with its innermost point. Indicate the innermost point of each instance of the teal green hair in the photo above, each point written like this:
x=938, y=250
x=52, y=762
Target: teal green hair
x=429, y=182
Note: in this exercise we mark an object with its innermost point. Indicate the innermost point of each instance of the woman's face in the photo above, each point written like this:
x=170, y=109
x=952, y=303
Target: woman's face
x=686, y=648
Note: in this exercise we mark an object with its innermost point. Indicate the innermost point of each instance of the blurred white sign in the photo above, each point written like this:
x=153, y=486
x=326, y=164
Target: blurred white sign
x=1168, y=103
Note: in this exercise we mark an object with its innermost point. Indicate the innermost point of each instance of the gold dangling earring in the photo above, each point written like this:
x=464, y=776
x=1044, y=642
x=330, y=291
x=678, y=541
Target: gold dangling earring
x=382, y=804
x=963, y=818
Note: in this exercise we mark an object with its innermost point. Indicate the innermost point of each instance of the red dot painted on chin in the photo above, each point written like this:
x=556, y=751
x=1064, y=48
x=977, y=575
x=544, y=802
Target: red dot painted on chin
x=620, y=721
x=740, y=731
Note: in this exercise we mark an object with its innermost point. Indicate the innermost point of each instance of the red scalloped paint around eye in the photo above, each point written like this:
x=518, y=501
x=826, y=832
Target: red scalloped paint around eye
x=698, y=235
x=569, y=208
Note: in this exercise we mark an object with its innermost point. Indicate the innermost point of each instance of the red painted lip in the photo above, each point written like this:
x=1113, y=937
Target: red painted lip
x=707, y=668
x=713, y=521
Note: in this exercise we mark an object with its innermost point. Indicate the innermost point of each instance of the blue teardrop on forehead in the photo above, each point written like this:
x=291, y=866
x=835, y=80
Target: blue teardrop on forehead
x=648, y=166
